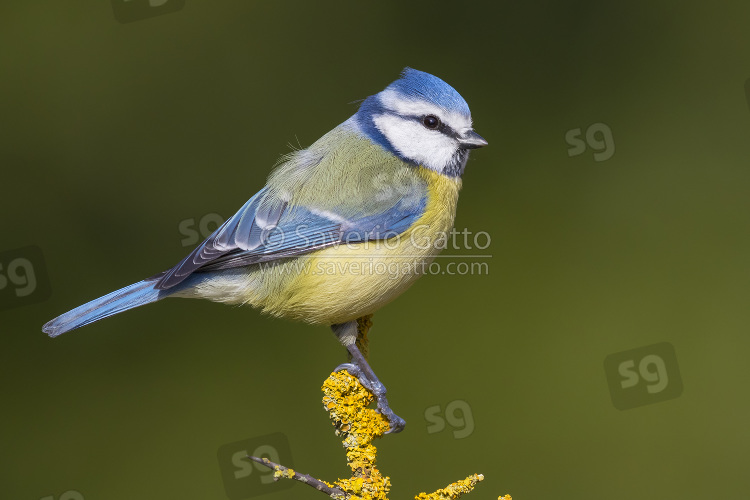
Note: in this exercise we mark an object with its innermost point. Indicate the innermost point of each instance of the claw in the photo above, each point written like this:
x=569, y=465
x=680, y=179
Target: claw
x=397, y=423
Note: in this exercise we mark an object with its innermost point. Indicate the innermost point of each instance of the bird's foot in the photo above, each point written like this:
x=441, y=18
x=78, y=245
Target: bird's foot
x=377, y=389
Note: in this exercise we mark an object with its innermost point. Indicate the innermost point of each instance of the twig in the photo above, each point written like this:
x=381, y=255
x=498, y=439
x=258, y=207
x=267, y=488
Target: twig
x=281, y=471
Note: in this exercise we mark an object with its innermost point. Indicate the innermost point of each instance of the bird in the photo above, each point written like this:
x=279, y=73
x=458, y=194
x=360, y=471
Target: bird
x=340, y=229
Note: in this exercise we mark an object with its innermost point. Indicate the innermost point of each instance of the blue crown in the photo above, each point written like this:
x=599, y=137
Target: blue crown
x=418, y=85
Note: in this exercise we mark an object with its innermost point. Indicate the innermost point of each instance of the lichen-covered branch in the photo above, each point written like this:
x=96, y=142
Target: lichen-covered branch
x=346, y=402
x=453, y=490
x=281, y=471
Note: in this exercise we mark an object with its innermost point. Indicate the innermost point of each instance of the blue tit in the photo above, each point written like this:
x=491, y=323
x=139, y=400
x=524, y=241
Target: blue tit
x=375, y=193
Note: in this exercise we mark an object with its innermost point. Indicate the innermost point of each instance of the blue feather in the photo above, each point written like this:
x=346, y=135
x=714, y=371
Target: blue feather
x=121, y=300
x=418, y=85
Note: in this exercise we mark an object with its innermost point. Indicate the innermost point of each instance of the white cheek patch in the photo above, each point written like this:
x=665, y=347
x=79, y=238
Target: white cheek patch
x=410, y=138
x=393, y=101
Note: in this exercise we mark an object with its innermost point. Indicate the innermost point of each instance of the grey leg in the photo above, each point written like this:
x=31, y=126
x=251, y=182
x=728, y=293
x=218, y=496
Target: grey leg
x=347, y=335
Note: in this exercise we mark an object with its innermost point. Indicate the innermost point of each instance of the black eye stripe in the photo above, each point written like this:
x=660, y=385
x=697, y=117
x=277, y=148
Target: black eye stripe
x=442, y=128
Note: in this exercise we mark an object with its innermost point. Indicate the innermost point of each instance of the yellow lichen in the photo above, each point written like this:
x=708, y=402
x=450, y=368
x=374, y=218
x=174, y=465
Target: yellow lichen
x=347, y=401
x=453, y=490
x=279, y=472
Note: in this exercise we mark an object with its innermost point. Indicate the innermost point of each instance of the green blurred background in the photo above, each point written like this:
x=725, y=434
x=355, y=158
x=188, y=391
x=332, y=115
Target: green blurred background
x=115, y=134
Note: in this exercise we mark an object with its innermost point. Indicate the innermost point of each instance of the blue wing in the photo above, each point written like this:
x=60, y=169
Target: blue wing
x=267, y=228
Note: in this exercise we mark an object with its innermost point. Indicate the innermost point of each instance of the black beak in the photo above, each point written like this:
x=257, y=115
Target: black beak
x=471, y=140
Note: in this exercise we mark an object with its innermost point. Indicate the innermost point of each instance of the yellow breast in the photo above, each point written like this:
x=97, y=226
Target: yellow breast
x=344, y=282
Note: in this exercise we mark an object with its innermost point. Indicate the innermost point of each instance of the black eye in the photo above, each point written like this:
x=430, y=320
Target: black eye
x=431, y=121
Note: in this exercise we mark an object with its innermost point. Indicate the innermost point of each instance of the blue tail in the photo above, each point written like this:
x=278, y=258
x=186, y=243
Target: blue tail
x=116, y=302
